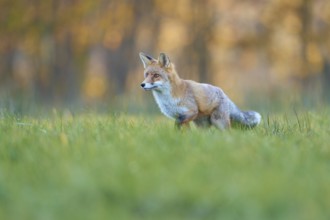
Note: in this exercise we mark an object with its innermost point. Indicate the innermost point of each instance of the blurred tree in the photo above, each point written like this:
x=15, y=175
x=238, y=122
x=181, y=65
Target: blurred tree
x=121, y=52
x=201, y=29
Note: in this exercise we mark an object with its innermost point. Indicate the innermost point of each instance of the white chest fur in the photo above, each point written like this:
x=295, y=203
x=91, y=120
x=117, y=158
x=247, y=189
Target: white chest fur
x=168, y=105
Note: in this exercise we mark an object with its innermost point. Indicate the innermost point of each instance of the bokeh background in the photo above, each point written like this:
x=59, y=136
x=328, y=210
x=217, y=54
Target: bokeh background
x=78, y=53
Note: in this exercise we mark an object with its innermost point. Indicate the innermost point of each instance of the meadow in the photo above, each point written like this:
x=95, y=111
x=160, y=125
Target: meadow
x=120, y=166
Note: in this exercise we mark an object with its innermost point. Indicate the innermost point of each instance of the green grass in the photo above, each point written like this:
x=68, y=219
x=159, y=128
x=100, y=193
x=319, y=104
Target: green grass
x=92, y=166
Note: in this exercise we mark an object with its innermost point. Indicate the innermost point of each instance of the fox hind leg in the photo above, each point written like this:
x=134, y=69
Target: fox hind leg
x=220, y=118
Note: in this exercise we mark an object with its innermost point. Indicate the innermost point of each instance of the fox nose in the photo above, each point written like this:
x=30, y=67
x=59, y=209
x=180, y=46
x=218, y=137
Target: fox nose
x=143, y=85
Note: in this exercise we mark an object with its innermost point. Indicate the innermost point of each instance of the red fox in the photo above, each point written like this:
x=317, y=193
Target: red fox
x=187, y=100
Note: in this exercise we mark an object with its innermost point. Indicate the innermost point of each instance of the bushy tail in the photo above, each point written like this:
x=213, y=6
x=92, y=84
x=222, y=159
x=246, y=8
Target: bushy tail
x=248, y=119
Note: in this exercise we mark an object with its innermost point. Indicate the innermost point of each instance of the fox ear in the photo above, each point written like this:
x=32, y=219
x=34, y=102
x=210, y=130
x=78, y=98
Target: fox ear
x=164, y=61
x=146, y=59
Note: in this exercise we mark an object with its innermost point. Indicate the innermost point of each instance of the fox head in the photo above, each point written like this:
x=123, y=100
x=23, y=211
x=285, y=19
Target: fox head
x=157, y=73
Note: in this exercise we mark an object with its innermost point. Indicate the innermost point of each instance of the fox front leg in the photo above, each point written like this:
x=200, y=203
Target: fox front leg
x=183, y=120
x=179, y=125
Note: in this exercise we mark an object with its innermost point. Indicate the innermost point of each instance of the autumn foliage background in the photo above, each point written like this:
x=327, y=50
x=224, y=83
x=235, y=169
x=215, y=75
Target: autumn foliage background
x=78, y=53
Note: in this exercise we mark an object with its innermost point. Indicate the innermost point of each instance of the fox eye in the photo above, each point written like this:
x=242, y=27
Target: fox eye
x=156, y=75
